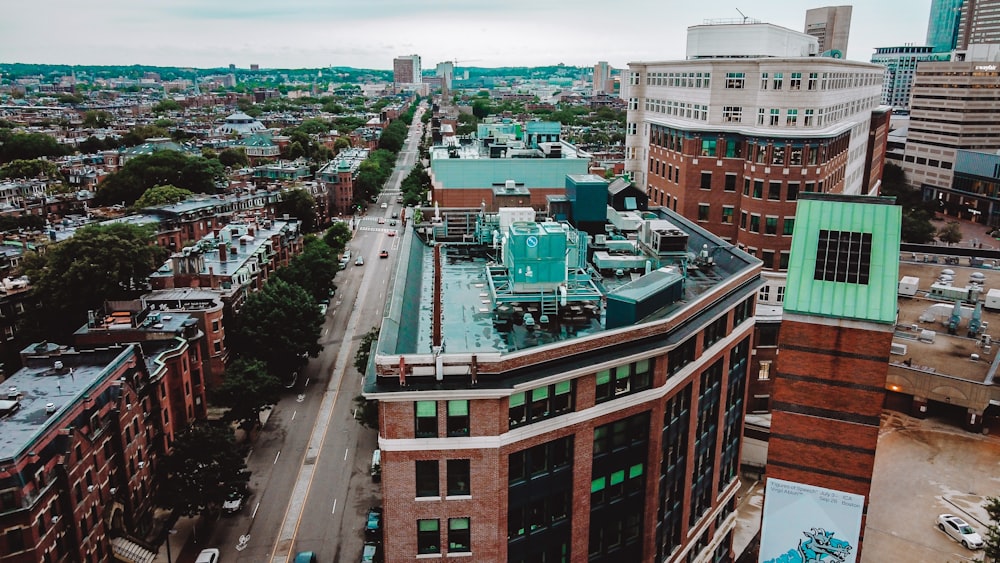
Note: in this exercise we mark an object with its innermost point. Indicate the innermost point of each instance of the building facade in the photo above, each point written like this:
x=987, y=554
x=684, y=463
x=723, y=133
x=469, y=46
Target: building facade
x=552, y=428
x=831, y=26
x=942, y=25
x=406, y=70
x=603, y=83
x=900, y=67
x=979, y=24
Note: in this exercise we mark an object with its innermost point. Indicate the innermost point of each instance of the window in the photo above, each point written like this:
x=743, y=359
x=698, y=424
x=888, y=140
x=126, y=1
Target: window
x=792, y=191
x=743, y=219
x=623, y=380
x=774, y=191
x=767, y=257
x=791, y=117
x=767, y=335
x=808, y=119
x=764, y=294
x=795, y=81
x=15, y=540
x=427, y=478
x=746, y=186
x=810, y=186
x=760, y=116
x=812, y=80
x=458, y=418
x=703, y=211
x=778, y=77
x=782, y=265
x=775, y=116
x=754, y=223
x=708, y=147
x=778, y=154
x=732, y=114
x=763, y=81
x=531, y=406
x=427, y=423
x=715, y=331
x=788, y=225
x=681, y=356
x=765, y=371
x=758, y=189
x=770, y=225
x=706, y=180
x=734, y=79
x=843, y=256
x=459, y=538
x=730, y=183
x=458, y=477
x=428, y=536
x=727, y=215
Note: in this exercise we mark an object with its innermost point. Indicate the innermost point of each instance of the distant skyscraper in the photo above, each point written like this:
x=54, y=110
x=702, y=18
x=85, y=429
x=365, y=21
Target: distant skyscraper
x=942, y=26
x=603, y=84
x=900, y=65
x=254, y=67
x=980, y=23
x=446, y=72
x=406, y=70
x=831, y=26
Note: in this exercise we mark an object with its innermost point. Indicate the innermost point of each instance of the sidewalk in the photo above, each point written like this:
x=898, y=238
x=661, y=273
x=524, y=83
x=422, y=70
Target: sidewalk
x=185, y=543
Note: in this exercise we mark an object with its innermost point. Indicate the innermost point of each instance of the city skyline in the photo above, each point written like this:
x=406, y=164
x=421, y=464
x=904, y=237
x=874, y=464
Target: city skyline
x=316, y=34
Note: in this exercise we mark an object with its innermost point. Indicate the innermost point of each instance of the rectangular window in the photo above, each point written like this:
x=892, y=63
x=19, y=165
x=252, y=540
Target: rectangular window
x=427, y=423
x=765, y=371
x=788, y=225
x=746, y=186
x=778, y=77
x=706, y=180
x=763, y=81
x=783, y=263
x=517, y=411
x=458, y=418
x=708, y=147
x=622, y=380
x=760, y=116
x=774, y=191
x=730, y=183
x=792, y=191
x=767, y=257
x=795, y=81
x=758, y=189
x=426, y=472
x=544, y=402
x=458, y=477
x=770, y=225
x=792, y=117
x=810, y=186
x=764, y=294
x=727, y=215
x=754, y=223
x=812, y=80
x=732, y=114
x=807, y=120
x=743, y=219
x=734, y=79
x=459, y=537
x=428, y=536
x=703, y=211
x=778, y=155
x=781, y=288
x=843, y=256
x=775, y=116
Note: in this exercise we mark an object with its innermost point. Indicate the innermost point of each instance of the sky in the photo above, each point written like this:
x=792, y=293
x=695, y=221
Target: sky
x=370, y=33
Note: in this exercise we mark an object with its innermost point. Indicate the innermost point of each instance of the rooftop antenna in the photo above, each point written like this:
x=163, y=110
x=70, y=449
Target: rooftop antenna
x=745, y=18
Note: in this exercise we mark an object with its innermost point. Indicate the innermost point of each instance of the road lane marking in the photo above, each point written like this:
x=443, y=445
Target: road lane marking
x=345, y=453
x=334, y=507
x=293, y=414
x=276, y=457
x=254, y=515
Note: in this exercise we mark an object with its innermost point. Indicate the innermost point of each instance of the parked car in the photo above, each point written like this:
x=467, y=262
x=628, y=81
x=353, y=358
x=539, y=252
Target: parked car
x=383, y=254
x=370, y=553
x=305, y=557
x=234, y=501
x=359, y=262
x=373, y=525
x=210, y=555
x=960, y=531
x=322, y=308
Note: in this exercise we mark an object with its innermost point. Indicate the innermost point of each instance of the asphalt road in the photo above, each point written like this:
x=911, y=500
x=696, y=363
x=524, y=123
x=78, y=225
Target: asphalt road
x=310, y=487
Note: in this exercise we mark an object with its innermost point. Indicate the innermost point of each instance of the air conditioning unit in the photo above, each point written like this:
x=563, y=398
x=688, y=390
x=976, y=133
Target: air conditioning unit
x=90, y=488
x=113, y=490
x=897, y=349
x=142, y=464
x=55, y=519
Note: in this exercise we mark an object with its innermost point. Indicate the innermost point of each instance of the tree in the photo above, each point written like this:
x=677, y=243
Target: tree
x=194, y=173
x=917, y=214
x=992, y=538
x=29, y=169
x=300, y=204
x=139, y=134
x=166, y=105
x=96, y=118
x=295, y=150
x=233, y=157
x=279, y=325
x=247, y=389
x=205, y=463
x=481, y=108
x=313, y=270
x=366, y=412
x=29, y=146
x=100, y=262
x=951, y=233
x=162, y=195
x=365, y=350
x=337, y=237
x=92, y=145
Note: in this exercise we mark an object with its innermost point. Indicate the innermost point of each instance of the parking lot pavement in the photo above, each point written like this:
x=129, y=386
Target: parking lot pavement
x=924, y=468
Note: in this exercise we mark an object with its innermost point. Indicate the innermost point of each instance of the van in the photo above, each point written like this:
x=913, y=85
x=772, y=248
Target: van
x=376, y=469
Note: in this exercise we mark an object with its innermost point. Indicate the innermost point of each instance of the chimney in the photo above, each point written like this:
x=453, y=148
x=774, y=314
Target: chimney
x=232, y=250
x=222, y=251
x=251, y=231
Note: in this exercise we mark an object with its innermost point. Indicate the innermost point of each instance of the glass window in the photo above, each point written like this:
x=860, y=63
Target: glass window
x=458, y=418
x=708, y=147
x=428, y=536
x=426, y=472
x=518, y=411
x=767, y=257
x=754, y=223
x=459, y=537
x=758, y=189
x=778, y=77
x=770, y=225
x=458, y=477
x=703, y=211
x=792, y=191
x=775, y=116
x=778, y=154
x=774, y=191
x=730, y=185
x=795, y=81
x=426, y=426
x=706, y=180
x=788, y=226
x=727, y=215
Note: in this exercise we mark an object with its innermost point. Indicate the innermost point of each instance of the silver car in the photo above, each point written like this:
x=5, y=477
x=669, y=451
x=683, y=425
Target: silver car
x=960, y=531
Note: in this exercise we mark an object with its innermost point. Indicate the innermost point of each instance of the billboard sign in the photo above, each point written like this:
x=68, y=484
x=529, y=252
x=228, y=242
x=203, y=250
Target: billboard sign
x=808, y=524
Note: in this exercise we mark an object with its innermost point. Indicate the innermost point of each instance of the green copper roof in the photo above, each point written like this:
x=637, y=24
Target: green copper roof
x=844, y=261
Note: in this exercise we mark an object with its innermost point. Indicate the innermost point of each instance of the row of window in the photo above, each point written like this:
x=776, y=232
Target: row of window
x=679, y=79
x=804, y=81
x=771, y=117
x=756, y=150
x=677, y=109
x=429, y=535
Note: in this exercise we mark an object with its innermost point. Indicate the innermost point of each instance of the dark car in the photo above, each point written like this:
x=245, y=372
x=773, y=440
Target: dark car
x=373, y=525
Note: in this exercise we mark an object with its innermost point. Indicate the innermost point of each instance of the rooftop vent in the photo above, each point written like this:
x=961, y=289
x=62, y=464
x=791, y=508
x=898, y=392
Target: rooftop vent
x=58, y=364
x=50, y=408
x=12, y=393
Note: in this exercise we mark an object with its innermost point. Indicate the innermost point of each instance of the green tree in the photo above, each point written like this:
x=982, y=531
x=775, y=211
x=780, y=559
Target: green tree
x=365, y=350
x=300, y=204
x=166, y=105
x=313, y=270
x=204, y=464
x=341, y=143
x=29, y=169
x=337, y=237
x=161, y=195
x=29, y=146
x=93, y=145
x=279, y=325
x=194, y=173
x=100, y=262
x=70, y=99
x=481, y=108
x=233, y=157
x=139, y=134
x=951, y=233
x=295, y=150
x=917, y=214
x=366, y=412
x=248, y=389
x=96, y=118
x=992, y=538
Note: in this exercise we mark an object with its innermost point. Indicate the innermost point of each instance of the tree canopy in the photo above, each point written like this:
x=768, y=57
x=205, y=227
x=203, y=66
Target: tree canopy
x=300, y=204
x=279, y=325
x=204, y=464
x=991, y=538
x=313, y=270
x=917, y=214
x=247, y=389
x=193, y=173
x=337, y=237
x=166, y=105
x=162, y=195
x=365, y=349
x=29, y=146
x=100, y=262
x=29, y=169
x=233, y=157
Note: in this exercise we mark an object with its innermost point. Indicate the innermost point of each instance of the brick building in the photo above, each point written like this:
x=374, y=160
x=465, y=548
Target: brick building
x=522, y=419
x=338, y=177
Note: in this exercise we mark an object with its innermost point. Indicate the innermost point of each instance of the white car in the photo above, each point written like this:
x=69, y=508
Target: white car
x=208, y=556
x=960, y=531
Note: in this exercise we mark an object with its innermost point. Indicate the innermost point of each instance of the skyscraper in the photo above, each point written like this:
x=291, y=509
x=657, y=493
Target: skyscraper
x=831, y=26
x=406, y=70
x=942, y=25
x=901, y=66
x=602, y=78
x=980, y=23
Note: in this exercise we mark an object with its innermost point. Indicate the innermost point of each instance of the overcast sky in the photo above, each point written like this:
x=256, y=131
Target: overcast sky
x=369, y=33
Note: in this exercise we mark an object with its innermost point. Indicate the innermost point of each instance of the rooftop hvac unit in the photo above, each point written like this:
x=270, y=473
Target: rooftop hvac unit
x=898, y=349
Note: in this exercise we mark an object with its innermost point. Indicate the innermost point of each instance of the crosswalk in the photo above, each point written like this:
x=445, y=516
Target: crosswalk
x=379, y=229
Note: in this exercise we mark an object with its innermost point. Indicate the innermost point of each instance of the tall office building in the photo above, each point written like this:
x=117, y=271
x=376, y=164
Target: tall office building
x=406, y=70
x=603, y=83
x=980, y=23
x=900, y=67
x=953, y=107
x=942, y=25
x=831, y=26
x=836, y=332
x=446, y=72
